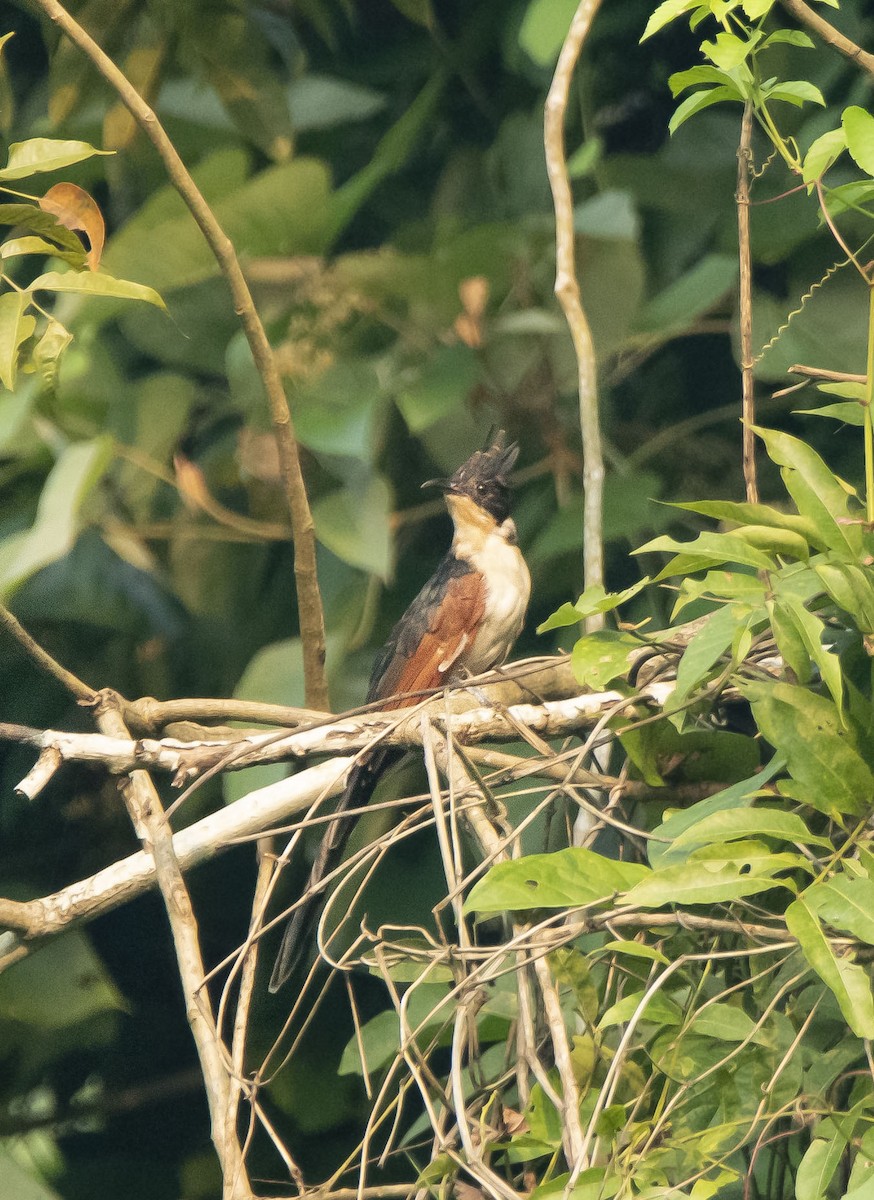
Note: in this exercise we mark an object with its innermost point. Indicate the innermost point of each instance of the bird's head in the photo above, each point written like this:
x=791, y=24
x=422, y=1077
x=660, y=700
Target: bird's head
x=480, y=488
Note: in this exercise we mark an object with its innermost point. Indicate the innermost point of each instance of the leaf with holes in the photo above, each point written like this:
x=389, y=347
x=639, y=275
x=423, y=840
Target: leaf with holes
x=707, y=882
x=602, y=656
x=565, y=879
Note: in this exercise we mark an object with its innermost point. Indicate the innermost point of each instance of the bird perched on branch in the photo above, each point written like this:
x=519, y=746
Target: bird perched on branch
x=463, y=621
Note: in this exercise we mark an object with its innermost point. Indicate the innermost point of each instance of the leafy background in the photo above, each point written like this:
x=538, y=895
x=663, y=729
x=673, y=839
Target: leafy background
x=380, y=169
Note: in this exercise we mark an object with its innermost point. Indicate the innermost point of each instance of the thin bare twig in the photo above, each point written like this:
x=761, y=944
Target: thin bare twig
x=567, y=289
x=312, y=622
x=493, y=848
x=832, y=37
x=822, y=373
x=147, y=815
x=247, y=983
x=745, y=298
x=43, y=659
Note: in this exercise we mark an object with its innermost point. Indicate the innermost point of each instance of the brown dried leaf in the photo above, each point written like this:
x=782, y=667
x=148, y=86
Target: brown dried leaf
x=75, y=209
x=466, y=1191
x=474, y=295
x=191, y=484
x=514, y=1121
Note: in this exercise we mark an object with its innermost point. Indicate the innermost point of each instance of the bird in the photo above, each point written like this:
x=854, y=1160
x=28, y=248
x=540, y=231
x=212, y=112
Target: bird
x=464, y=621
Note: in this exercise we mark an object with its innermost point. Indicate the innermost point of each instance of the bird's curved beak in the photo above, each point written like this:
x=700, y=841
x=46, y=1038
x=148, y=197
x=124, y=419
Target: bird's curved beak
x=443, y=484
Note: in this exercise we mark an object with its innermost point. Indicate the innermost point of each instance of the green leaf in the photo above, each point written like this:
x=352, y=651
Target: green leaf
x=323, y=102
x=92, y=283
x=689, y=755
x=700, y=883
x=750, y=514
x=635, y=950
x=817, y=1168
x=823, y=152
x=15, y=326
x=787, y=37
x=666, y=12
x=797, y=92
x=428, y=1010
x=820, y=752
x=37, y=245
x=45, y=154
x=602, y=656
x=848, y=982
x=707, y=550
x=585, y=158
x=442, y=388
x=845, y=902
x=849, y=196
x=723, y=585
x=390, y=155
x=47, y=352
x=783, y=542
x=41, y=222
x=728, y=824
x=850, y=588
x=818, y=494
x=339, y=412
x=29, y=994
x=858, y=126
x=790, y=643
x=56, y=527
x=20, y=1182
x=726, y=1023
x=659, y=1008
x=562, y=617
x=283, y=210
x=593, y=600
x=565, y=879
x=418, y=11
x=849, y=413
x=544, y=28
x=274, y=676
x=610, y=215
x=680, y=80
x=739, y=795
x=851, y=391
x=698, y=102
x=811, y=629
x=704, y=650
x=728, y=51
x=755, y=9
x=690, y=296
x=354, y=524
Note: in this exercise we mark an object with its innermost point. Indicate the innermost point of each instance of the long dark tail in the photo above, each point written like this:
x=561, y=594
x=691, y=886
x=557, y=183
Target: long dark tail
x=303, y=921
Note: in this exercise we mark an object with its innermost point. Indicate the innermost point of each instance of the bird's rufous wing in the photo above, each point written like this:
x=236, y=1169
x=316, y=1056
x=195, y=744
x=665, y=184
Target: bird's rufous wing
x=434, y=634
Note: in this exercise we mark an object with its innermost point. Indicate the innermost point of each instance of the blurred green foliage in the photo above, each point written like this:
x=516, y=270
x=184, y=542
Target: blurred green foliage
x=380, y=170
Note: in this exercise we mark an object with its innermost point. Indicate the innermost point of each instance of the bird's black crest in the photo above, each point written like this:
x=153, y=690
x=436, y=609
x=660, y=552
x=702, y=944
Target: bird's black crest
x=484, y=476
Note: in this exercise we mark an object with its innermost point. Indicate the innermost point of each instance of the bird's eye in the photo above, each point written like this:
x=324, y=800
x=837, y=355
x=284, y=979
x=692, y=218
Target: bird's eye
x=481, y=489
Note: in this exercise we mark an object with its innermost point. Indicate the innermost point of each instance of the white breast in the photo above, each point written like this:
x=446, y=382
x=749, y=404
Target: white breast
x=508, y=587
